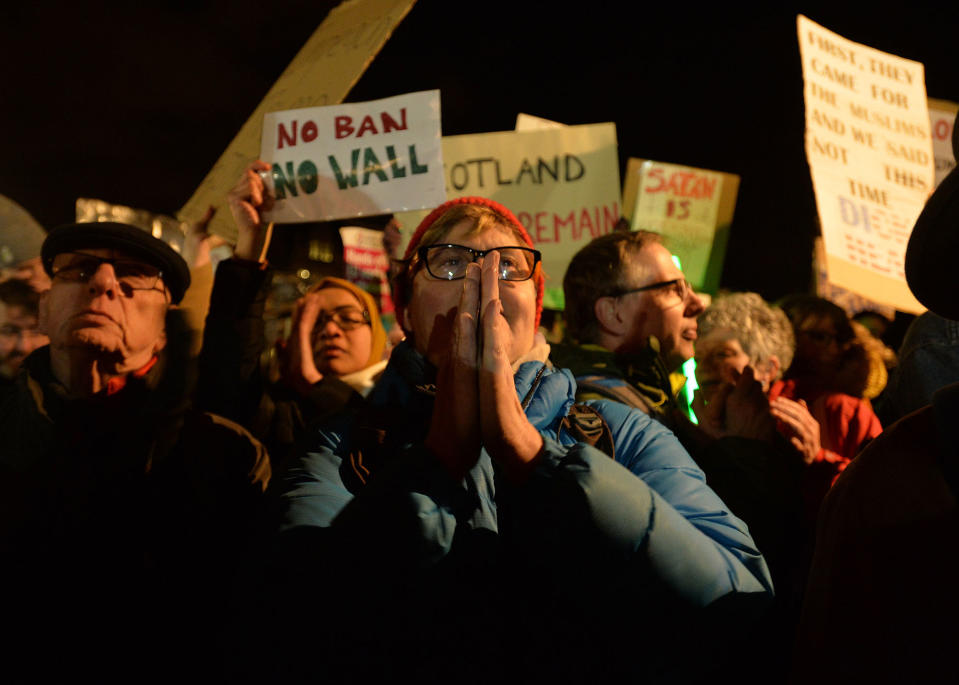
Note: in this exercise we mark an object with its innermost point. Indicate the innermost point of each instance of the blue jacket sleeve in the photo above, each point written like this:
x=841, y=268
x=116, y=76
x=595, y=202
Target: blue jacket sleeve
x=694, y=541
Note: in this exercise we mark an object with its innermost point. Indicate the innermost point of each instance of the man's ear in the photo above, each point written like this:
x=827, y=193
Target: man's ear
x=606, y=311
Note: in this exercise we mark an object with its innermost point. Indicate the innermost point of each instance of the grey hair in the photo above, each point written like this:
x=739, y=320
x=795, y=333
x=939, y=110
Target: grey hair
x=761, y=329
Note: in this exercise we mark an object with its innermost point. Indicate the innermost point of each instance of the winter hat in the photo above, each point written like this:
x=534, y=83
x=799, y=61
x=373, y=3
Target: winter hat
x=135, y=242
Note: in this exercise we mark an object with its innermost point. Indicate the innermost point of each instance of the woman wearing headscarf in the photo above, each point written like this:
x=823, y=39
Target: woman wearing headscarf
x=330, y=360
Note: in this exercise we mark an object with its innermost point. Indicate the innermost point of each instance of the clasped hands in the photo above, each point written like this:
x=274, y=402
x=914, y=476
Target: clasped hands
x=740, y=408
x=476, y=404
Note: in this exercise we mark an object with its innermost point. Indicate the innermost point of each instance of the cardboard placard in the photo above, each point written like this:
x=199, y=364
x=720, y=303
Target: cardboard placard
x=942, y=117
x=322, y=73
x=692, y=209
x=366, y=263
x=360, y=159
x=561, y=183
x=869, y=149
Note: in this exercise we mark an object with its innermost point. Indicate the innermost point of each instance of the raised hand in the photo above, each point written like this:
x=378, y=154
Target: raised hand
x=797, y=424
x=299, y=368
x=737, y=409
x=508, y=436
x=747, y=409
x=246, y=199
x=454, y=434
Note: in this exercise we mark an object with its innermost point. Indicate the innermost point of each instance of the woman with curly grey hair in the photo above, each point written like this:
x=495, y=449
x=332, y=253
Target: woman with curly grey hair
x=740, y=330
x=828, y=428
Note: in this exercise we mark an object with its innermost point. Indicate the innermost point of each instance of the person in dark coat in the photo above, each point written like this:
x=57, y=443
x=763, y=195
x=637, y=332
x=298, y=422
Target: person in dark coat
x=125, y=513
x=882, y=599
x=332, y=357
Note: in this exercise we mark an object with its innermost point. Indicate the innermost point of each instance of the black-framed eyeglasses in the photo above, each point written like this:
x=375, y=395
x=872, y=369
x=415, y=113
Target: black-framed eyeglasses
x=346, y=317
x=448, y=262
x=679, y=286
x=131, y=275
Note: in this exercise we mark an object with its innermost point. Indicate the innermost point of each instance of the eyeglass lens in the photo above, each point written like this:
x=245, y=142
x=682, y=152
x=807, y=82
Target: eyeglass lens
x=450, y=261
x=346, y=318
x=131, y=275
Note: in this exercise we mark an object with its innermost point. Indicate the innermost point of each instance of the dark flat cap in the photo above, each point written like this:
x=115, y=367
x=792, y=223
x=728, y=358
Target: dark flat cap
x=133, y=241
x=933, y=249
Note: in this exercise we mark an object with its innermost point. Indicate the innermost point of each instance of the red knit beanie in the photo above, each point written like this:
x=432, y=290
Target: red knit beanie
x=508, y=217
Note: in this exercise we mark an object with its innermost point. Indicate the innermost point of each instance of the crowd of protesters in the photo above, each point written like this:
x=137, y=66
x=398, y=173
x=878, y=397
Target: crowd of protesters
x=473, y=502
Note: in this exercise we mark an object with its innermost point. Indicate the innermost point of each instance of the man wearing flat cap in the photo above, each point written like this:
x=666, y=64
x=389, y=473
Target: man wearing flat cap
x=882, y=602
x=121, y=507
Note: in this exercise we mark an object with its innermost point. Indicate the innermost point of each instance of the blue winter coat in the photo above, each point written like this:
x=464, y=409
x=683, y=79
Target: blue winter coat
x=650, y=507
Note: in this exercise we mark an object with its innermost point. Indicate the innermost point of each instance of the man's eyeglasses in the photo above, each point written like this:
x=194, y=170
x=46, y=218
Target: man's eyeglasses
x=347, y=318
x=449, y=262
x=131, y=275
x=678, y=286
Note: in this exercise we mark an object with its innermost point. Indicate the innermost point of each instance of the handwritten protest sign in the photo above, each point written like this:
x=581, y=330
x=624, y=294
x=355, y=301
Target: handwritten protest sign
x=354, y=160
x=870, y=155
x=942, y=116
x=562, y=184
x=367, y=264
x=692, y=208
x=322, y=73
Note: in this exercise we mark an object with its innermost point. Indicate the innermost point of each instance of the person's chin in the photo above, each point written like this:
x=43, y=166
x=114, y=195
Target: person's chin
x=98, y=339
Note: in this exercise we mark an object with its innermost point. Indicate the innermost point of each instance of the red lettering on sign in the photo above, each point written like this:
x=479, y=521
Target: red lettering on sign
x=681, y=184
x=586, y=221
x=367, y=126
x=389, y=123
x=344, y=126
x=285, y=137
x=941, y=129
x=656, y=174
x=541, y=227
x=568, y=220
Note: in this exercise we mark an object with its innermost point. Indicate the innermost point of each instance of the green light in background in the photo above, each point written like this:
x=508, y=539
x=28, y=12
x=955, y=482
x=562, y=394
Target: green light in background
x=689, y=370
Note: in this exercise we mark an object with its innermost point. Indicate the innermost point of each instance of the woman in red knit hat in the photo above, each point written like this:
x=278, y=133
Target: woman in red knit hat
x=462, y=517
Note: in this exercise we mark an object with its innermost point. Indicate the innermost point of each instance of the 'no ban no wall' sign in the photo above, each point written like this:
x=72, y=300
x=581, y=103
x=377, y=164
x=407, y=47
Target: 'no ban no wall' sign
x=355, y=160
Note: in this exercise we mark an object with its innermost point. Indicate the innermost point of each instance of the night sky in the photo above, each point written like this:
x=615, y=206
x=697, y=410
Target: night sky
x=133, y=105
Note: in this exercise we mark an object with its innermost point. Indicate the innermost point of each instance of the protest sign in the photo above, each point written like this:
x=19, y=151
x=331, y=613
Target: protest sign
x=692, y=208
x=354, y=160
x=561, y=183
x=322, y=73
x=366, y=263
x=870, y=155
x=527, y=122
x=942, y=116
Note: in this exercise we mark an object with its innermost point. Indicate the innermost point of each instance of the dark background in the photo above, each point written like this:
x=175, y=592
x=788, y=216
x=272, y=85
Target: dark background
x=133, y=105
